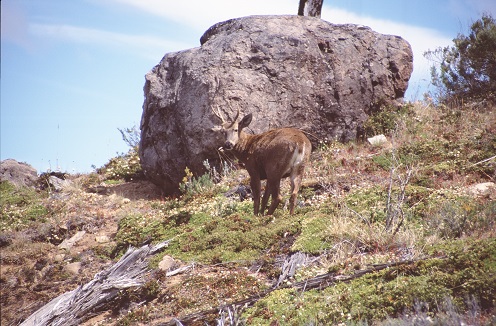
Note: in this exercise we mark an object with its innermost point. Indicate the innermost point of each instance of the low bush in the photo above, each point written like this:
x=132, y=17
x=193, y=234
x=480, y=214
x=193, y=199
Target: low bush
x=20, y=206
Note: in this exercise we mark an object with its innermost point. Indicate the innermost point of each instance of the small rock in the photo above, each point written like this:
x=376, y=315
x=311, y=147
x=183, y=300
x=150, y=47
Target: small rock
x=67, y=244
x=58, y=184
x=59, y=257
x=166, y=263
x=482, y=189
x=379, y=141
x=241, y=191
x=102, y=238
x=73, y=268
x=5, y=240
x=12, y=282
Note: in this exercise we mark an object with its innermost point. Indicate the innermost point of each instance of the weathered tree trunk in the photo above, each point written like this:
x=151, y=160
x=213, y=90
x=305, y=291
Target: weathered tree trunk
x=79, y=305
x=312, y=8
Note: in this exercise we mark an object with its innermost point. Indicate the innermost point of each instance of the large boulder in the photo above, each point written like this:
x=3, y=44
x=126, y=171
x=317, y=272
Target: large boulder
x=287, y=70
x=18, y=173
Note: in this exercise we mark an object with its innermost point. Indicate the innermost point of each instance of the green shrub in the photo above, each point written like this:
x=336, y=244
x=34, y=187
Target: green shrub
x=191, y=186
x=20, y=206
x=124, y=166
x=386, y=120
x=202, y=236
x=467, y=70
x=448, y=218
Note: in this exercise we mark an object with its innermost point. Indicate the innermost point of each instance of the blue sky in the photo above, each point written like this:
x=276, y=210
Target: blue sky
x=72, y=72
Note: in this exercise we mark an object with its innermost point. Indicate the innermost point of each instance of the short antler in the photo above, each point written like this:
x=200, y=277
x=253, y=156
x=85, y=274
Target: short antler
x=237, y=116
x=218, y=114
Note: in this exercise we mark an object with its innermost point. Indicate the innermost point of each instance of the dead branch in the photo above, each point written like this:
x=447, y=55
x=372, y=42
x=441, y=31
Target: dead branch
x=292, y=264
x=77, y=306
x=483, y=161
x=318, y=282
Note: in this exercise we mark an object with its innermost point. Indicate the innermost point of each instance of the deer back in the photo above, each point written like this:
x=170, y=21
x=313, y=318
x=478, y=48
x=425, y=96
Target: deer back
x=275, y=153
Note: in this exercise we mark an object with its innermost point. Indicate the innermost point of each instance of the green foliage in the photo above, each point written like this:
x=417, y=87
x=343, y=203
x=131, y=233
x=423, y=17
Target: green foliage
x=451, y=144
x=468, y=68
x=232, y=238
x=202, y=236
x=131, y=136
x=469, y=268
x=19, y=207
x=124, y=166
x=203, y=185
x=191, y=186
x=386, y=120
x=369, y=203
x=448, y=218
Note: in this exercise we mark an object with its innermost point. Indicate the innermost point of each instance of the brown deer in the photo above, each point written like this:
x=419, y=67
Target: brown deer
x=272, y=155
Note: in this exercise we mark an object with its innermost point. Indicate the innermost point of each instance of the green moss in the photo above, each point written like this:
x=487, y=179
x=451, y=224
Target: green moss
x=205, y=237
x=314, y=237
x=383, y=161
x=370, y=203
x=231, y=238
x=469, y=269
x=449, y=214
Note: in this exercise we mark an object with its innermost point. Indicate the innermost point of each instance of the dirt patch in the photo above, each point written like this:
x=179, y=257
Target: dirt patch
x=135, y=190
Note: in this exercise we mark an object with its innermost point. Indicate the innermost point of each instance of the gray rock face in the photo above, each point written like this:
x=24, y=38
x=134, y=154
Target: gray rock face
x=18, y=173
x=289, y=71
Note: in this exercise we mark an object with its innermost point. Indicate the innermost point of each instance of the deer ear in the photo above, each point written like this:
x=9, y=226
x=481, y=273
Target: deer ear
x=245, y=121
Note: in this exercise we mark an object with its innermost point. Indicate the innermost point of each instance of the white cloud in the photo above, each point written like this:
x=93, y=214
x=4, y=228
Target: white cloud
x=145, y=45
x=201, y=14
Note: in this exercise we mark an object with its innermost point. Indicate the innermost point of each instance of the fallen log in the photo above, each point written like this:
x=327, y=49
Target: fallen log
x=79, y=305
x=319, y=282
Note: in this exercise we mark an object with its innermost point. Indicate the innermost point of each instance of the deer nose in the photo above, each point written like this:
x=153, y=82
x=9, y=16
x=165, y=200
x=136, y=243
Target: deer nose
x=228, y=145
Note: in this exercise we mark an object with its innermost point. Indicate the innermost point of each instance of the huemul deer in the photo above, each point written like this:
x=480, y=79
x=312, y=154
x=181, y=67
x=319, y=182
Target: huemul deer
x=272, y=155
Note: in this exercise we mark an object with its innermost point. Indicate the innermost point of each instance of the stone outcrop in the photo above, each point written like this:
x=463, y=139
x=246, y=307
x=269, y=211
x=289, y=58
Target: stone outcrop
x=18, y=173
x=287, y=70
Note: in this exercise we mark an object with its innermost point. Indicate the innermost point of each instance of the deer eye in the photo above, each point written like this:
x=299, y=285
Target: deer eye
x=236, y=130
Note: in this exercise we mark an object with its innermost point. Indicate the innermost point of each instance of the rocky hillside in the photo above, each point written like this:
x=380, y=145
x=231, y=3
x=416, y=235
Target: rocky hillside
x=385, y=233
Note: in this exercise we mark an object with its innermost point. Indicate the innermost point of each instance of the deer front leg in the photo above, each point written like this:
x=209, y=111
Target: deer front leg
x=255, y=190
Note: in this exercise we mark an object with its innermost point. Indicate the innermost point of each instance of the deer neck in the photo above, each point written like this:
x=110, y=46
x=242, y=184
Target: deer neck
x=242, y=147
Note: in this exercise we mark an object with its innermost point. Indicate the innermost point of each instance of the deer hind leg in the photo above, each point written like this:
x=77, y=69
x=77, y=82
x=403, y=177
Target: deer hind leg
x=255, y=190
x=273, y=186
x=265, y=198
x=296, y=177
